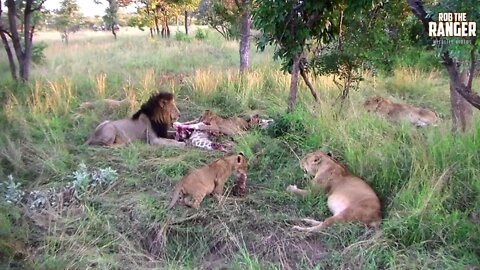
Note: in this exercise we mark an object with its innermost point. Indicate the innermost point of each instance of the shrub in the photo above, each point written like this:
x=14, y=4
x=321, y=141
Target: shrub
x=38, y=56
x=201, y=34
x=180, y=36
x=287, y=125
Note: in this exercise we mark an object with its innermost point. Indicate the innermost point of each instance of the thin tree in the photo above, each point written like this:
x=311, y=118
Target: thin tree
x=21, y=54
x=246, y=21
x=68, y=18
x=290, y=25
x=111, y=16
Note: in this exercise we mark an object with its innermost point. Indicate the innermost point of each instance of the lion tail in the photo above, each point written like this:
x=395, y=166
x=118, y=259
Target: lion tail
x=176, y=195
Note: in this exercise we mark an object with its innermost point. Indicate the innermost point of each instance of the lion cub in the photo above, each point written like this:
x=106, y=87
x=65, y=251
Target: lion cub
x=349, y=197
x=209, y=179
x=228, y=126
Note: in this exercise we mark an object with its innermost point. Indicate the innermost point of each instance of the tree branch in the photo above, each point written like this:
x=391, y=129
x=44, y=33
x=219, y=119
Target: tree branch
x=5, y=31
x=299, y=7
x=32, y=29
x=419, y=12
x=8, y=50
x=309, y=84
x=467, y=93
x=312, y=19
x=38, y=7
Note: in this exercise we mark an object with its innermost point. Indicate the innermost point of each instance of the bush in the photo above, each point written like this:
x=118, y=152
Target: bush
x=181, y=36
x=286, y=125
x=38, y=56
x=201, y=34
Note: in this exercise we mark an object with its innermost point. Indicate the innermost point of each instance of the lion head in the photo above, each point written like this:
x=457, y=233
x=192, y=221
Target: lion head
x=312, y=162
x=372, y=103
x=240, y=165
x=319, y=161
x=254, y=119
x=208, y=117
x=162, y=112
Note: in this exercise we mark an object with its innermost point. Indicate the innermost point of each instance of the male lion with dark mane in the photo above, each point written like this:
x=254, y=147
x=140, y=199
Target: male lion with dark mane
x=349, y=197
x=419, y=117
x=150, y=124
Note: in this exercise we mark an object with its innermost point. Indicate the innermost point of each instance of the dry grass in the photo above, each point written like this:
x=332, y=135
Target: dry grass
x=427, y=202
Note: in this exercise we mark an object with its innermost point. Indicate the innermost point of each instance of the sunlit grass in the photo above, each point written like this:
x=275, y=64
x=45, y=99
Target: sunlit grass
x=427, y=179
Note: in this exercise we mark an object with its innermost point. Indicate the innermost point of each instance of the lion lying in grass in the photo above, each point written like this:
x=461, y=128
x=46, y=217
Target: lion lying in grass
x=419, y=117
x=149, y=124
x=109, y=104
x=199, y=134
x=208, y=179
x=228, y=126
x=349, y=197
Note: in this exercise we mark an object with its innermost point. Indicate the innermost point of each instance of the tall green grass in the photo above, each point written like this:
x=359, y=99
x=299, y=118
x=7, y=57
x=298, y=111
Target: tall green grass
x=427, y=179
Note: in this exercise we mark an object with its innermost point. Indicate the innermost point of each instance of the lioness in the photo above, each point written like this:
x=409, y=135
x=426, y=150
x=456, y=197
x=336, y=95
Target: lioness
x=149, y=124
x=108, y=103
x=228, y=126
x=419, y=117
x=208, y=179
x=349, y=197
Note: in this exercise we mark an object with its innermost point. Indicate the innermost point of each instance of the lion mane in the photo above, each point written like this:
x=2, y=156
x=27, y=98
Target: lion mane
x=159, y=113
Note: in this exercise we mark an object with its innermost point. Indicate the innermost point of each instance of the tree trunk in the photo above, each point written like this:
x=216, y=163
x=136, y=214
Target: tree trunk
x=151, y=32
x=65, y=35
x=113, y=31
x=11, y=60
x=23, y=54
x=292, y=100
x=168, y=28
x=462, y=114
x=12, y=21
x=186, y=22
x=157, y=27
x=245, y=39
x=467, y=93
x=27, y=53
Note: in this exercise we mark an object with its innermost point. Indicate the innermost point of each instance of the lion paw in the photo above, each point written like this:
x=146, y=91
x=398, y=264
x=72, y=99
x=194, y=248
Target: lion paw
x=292, y=188
x=298, y=228
x=312, y=221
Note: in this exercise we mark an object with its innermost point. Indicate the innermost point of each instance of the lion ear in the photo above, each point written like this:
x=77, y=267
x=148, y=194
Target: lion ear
x=163, y=102
x=329, y=154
